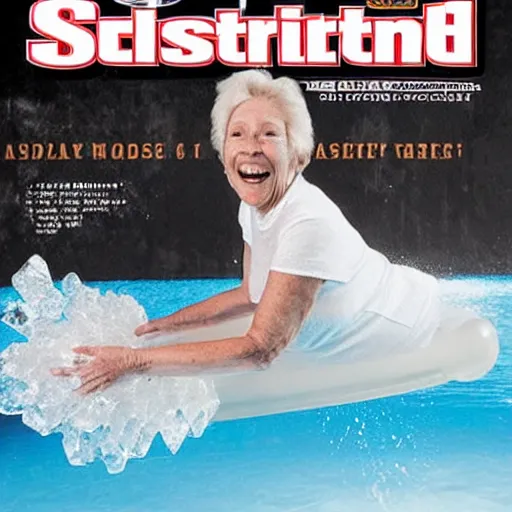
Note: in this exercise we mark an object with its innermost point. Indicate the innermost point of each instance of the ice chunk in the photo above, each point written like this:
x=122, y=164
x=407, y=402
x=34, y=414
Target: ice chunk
x=16, y=315
x=117, y=424
x=34, y=283
x=71, y=285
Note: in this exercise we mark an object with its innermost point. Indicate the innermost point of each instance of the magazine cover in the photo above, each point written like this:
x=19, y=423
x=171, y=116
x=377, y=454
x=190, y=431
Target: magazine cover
x=255, y=256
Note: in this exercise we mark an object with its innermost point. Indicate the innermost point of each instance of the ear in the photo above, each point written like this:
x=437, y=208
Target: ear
x=295, y=164
x=302, y=163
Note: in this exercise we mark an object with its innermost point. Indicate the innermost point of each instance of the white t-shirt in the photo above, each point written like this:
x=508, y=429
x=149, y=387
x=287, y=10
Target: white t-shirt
x=363, y=296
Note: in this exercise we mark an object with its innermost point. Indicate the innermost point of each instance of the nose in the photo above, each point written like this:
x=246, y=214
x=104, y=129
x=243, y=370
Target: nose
x=252, y=146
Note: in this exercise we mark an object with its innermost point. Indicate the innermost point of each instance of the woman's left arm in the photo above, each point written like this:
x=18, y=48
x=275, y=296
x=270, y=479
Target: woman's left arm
x=285, y=304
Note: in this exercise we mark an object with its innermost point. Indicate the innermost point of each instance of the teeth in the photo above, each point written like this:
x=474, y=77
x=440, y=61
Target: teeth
x=252, y=170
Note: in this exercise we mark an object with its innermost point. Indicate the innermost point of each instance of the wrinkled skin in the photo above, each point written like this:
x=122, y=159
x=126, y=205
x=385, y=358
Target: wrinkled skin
x=108, y=365
x=256, y=137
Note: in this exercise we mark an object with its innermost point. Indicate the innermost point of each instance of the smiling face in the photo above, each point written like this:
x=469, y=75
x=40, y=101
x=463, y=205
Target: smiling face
x=257, y=157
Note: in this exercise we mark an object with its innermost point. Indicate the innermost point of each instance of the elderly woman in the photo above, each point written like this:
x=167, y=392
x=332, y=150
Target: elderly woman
x=309, y=278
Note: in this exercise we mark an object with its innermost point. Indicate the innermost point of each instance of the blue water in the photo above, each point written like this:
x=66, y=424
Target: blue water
x=447, y=449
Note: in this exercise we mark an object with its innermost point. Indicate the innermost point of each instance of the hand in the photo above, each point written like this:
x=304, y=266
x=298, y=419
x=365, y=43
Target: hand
x=108, y=365
x=153, y=326
x=146, y=328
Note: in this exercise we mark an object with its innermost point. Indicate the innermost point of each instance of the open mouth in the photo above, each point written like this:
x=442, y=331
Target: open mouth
x=254, y=176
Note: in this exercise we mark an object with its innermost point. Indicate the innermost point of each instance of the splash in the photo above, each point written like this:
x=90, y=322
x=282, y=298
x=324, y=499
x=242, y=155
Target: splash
x=117, y=424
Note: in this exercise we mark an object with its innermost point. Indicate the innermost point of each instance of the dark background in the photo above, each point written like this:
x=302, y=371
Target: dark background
x=445, y=216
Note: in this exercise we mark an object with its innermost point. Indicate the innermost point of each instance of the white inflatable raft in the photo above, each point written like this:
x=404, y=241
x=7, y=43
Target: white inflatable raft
x=464, y=348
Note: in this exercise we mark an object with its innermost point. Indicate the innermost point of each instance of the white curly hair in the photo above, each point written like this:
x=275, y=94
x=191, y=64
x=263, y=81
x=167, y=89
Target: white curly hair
x=244, y=85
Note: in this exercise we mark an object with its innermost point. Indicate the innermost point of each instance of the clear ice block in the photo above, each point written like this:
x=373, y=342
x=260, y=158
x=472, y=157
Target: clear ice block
x=117, y=424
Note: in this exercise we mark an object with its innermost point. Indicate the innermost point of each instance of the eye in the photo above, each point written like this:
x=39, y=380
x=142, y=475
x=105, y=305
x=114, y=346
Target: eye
x=236, y=133
x=270, y=133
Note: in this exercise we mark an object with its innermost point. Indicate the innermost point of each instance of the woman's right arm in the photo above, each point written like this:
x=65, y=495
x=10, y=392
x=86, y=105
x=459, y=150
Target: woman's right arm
x=211, y=311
